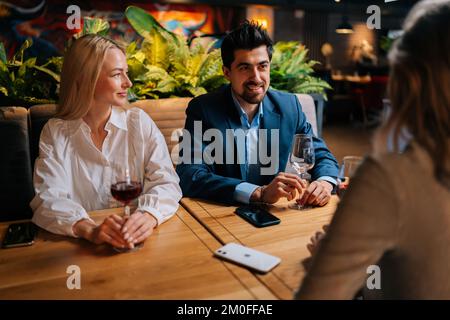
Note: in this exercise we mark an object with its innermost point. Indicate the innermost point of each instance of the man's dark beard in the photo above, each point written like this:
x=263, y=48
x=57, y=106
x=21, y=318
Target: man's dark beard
x=251, y=97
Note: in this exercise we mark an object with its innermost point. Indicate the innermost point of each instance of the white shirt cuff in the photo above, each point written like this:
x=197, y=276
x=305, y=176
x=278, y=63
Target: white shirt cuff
x=154, y=212
x=329, y=179
x=69, y=230
x=243, y=192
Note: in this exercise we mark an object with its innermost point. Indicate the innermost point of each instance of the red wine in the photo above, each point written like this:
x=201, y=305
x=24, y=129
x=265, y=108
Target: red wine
x=341, y=190
x=125, y=192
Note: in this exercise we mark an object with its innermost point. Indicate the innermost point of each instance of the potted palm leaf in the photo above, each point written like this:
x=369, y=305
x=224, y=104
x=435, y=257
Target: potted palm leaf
x=291, y=71
x=23, y=82
x=161, y=65
x=165, y=65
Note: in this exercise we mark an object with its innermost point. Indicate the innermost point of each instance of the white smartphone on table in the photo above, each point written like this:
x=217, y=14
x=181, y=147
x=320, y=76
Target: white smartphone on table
x=251, y=258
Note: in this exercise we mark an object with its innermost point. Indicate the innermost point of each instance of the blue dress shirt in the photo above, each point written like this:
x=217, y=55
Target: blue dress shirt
x=250, y=169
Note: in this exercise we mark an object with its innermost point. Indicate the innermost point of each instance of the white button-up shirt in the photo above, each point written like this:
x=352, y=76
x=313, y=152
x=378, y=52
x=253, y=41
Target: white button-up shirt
x=72, y=176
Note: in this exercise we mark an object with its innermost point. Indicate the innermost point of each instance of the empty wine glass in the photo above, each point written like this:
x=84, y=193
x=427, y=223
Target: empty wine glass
x=348, y=168
x=126, y=188
x=302, y=159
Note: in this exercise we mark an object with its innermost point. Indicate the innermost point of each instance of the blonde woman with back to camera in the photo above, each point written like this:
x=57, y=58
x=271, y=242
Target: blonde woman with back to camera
x=396, y=213
x=93, y=135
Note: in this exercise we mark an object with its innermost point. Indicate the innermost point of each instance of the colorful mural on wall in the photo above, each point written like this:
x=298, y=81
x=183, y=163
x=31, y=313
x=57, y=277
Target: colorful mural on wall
x=45, y=22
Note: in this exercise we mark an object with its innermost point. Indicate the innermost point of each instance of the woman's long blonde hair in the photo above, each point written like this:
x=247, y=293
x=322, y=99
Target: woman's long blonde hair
x=81, y=68
x=419, y=84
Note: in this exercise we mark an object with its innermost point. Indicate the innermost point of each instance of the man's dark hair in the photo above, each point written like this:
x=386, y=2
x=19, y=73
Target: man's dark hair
x=248, y=36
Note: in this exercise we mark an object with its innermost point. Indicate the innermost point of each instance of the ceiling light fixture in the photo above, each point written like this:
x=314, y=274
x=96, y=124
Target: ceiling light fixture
x=344, y=27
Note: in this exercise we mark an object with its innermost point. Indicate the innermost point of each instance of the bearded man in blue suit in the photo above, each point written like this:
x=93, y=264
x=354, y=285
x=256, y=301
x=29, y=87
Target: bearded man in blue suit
x=267, y=120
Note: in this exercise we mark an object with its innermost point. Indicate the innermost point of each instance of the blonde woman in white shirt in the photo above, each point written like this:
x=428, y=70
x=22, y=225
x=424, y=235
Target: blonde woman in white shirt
x=93, y=135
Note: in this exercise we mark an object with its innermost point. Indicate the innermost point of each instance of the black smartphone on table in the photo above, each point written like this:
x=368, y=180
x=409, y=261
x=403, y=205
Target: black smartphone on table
x=19, y=235
x=257, y=216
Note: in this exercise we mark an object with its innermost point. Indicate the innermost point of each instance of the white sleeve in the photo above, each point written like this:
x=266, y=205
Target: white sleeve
x=162, y=191
x=53, y=208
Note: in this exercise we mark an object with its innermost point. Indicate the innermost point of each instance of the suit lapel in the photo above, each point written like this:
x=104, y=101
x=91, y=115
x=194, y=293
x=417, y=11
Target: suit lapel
x=271, y=118
x=271, y=121
x=233, y=122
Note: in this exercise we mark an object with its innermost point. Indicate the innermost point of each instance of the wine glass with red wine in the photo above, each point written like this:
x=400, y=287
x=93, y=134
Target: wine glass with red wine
x=348, y=168
x=126, y=188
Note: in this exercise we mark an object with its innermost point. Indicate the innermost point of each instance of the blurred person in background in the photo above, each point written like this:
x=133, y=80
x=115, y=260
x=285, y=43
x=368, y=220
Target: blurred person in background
x=396, y=213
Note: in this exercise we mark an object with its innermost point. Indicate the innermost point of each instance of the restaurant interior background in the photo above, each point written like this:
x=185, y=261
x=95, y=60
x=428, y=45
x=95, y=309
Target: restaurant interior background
x=348, y=39
x=352, y=61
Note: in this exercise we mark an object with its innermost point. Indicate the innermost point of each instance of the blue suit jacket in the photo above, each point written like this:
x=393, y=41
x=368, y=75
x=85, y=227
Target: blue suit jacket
x=282, y=111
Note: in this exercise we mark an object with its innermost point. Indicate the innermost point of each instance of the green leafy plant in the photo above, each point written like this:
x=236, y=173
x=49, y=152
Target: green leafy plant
x=165, y=65
x=93, y=26
x=291, y=71
x=24, y=82
x=161, y=65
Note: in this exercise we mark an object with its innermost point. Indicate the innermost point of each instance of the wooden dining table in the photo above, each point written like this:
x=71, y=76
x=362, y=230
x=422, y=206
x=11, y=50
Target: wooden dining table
x=176, y=262
x=286, y=240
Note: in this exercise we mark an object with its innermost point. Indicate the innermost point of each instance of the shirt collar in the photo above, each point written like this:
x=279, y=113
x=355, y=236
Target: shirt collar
x=118, y=118
x=243, y=115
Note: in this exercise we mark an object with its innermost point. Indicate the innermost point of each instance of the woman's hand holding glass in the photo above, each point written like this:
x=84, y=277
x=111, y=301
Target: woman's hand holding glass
x=109, y=231
x=138, y=227
x=122, y=232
